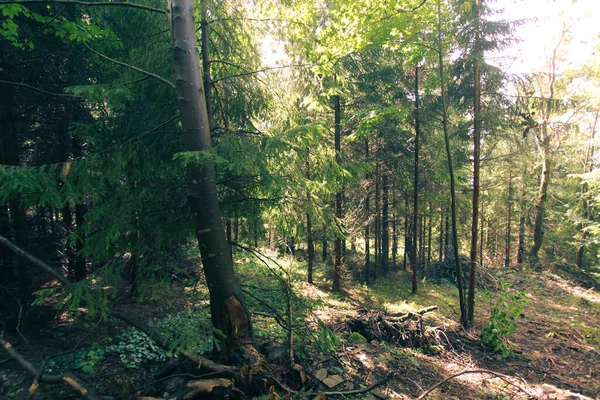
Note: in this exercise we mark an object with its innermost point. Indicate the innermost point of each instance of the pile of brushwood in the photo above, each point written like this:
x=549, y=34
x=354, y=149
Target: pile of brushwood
x=407, y=330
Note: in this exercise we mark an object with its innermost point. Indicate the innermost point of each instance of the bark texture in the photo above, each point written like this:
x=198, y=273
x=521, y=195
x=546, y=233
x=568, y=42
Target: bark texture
x=228, y=311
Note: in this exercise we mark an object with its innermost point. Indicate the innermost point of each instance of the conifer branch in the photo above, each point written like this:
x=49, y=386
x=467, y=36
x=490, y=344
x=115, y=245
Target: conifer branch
x=38, y=89
x=86, y=3
x=150, y=74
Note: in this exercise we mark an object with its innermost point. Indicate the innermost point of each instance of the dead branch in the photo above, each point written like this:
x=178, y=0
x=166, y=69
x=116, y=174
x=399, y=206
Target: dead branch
x=152, y=333
x=363, y=390
x=71, y=380
x=505, y=378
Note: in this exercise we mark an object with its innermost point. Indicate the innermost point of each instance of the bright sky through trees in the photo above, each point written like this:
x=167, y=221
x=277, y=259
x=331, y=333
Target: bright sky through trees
x=542, y=30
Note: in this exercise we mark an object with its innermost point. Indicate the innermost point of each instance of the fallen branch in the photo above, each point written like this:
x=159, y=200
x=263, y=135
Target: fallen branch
x=152, y=333
x=505, y=378
x=363, y=390
x=409, y=315
x=39, y=376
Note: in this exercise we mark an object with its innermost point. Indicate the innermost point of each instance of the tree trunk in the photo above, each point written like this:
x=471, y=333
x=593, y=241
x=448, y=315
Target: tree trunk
x=429, y=233
x=586, y=208
x=544, y=143
x=441, y=248
x=228, y=310
x=406, y=230
x=385, y=236
x=309, y=236
x=324, y=252
x=416, y=185
x=508, y=222
x=10, y=150
x=337, y=265
x=394, y=236
x=459, y=283
x=367, y=220
x=476, y=167
x=80, y=263
x=377, y=243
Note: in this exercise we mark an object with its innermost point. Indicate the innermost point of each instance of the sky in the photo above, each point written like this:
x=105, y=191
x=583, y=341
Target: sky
x=542, y=32
x=539, y=34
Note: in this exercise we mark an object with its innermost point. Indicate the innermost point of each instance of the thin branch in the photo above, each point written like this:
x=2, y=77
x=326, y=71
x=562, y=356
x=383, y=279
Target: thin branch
x=257, y=71
x=39, y=90
x=150, y=74
x=86, y=3
x=71, y=380
x=363, y=390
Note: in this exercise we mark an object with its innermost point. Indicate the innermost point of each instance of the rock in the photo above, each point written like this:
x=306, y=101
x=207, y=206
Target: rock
x=332, y=381
x=379, y=394
x=174, y=384
x=321, y=374
x=548, y=389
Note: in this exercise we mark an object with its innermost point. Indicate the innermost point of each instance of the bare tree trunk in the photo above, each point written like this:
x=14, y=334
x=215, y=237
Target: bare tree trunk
x=337, y=266
x=394, y=230
x=385, y=236
x=508, y=221
x=544, y=144
x=461, y=296
x=377, y=243
x=368, y=220
x=429, y=229
x=406, y=230
x=585, y=203
x=476, y=167
x=10, y=150
x=416, y=184
x=309, y=235
x=441, y=249
x=228, y=310
x=80, y=263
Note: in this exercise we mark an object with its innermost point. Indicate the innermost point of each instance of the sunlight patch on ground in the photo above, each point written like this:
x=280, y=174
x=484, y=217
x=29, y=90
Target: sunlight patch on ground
x=577, y=291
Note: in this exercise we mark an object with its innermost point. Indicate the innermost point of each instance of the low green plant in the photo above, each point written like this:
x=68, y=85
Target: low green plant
x=357, y=337
x=135, y=349
x=503, y=319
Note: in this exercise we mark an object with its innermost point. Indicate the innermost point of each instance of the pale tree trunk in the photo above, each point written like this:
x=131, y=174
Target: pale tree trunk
x=416, y=185
x=459, y=283
x=228, y=310
x=544, y=145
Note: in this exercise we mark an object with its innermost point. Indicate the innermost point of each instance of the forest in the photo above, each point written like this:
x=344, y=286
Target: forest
x=275, y=199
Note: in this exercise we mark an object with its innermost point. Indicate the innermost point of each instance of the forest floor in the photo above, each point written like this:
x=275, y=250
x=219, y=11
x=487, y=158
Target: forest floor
x=554, y=353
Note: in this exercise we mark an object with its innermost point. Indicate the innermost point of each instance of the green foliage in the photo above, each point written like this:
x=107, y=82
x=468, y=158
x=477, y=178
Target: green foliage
x=189, y=330
x=503, y=319
x=357, y=337
x=135, y=349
